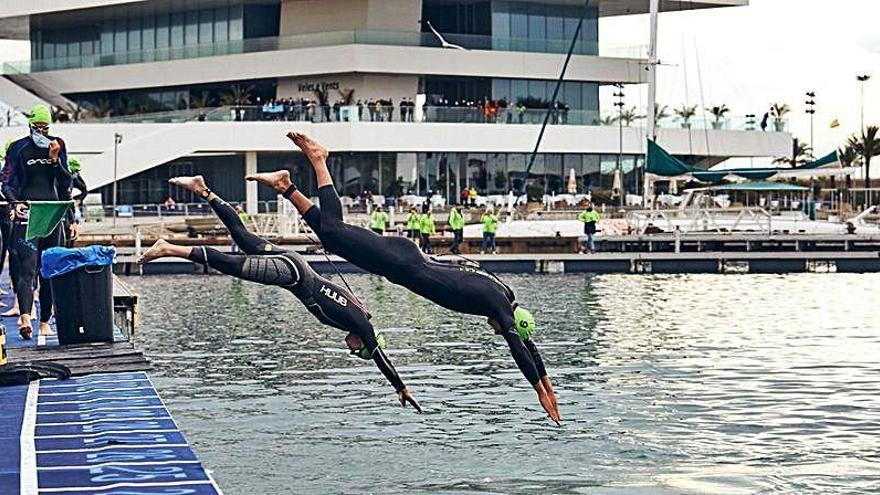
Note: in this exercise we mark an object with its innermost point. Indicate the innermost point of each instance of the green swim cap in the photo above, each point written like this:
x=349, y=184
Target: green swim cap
x=74, y=164
x=525, y=323
x=40, y=114
x=367, y=354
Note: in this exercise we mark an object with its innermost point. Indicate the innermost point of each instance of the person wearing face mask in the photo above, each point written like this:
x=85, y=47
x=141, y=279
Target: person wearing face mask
x=590, y=218
x=36, y=170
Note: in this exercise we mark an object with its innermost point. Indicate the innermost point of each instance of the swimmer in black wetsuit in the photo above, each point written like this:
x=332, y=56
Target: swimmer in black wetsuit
x=36, y=170
x=267, y=264
x=459, y=288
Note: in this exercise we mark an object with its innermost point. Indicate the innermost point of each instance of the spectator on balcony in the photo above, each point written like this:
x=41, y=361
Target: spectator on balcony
x=371, y=108
x=360, y=107
x=473, y=196
x=520, y=112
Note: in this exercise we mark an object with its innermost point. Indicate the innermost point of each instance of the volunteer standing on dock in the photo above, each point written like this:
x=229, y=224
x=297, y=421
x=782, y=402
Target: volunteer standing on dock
x=267, y=264
x=461, y=288
x=456, y=225
x=36, y=170
x=590, y=217
x=379, y=221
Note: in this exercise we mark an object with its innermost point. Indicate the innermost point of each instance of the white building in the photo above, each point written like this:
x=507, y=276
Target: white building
x=167, y=72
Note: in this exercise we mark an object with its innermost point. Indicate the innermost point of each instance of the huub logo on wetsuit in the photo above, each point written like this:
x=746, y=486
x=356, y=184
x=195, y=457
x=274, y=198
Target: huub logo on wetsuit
x=332, y=294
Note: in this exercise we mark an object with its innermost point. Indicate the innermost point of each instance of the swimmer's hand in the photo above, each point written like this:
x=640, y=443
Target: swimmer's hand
x=405, y=396
x=547, y=402
x=548, y=386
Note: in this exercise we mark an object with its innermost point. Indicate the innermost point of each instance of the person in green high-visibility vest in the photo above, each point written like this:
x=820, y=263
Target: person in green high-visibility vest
x=590, y=217
x=414, y=225
x=456, y=225
x=427, y=228
x=490, y=227
x=379, y=221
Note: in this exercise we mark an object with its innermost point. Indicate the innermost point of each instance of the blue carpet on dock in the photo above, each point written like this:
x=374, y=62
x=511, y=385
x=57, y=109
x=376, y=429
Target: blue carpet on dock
x=107, y=434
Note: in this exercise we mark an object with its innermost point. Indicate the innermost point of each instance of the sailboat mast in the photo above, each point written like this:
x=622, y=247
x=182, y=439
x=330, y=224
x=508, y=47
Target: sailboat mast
x=651, y=123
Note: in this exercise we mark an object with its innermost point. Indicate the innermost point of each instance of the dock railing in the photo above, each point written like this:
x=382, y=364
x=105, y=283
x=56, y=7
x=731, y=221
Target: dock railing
x=754, y=219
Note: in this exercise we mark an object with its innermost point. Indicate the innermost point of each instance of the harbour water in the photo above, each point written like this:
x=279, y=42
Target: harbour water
x=667, y=384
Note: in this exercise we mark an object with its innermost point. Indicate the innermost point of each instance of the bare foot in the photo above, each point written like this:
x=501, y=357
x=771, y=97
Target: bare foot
x=158, y=250
x=312, y=149
x=46, y=330
x=195, y=184
x=279, y=180
x=24, y=327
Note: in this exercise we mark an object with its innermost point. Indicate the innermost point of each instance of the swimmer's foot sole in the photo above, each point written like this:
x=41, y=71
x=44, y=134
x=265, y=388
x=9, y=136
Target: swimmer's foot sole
x=156, y=251
x=195, y=183
x=278, y=180
x=312, y=149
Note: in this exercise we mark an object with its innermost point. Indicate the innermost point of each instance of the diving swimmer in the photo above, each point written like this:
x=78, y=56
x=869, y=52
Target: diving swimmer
x=460, y=288
x=267, y=264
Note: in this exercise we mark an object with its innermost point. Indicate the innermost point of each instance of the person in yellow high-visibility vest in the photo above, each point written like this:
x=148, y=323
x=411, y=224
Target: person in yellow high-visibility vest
x=456, y=225
x=590, y=217
x=490, y=228
x=379, y=221
x=428, y=229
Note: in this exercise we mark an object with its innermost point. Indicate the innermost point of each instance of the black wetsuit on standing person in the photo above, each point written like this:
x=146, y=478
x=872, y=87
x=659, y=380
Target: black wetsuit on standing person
x=267, y=264
x=460, y=288
x=31, y=175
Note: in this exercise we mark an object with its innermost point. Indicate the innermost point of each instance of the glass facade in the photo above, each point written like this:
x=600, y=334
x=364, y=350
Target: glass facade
x=390, y=174
x=515, y=25
x=142, y=101
x=122, y=36
x=581, y=97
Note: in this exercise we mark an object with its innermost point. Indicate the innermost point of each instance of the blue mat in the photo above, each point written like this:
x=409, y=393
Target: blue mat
x=101, y=434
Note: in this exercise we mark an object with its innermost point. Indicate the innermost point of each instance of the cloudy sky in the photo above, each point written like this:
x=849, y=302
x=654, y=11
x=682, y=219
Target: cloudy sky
x=750, y=57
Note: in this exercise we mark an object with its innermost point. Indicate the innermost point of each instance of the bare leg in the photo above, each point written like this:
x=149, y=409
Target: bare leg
x=301, y=202
x=163, y=248
x=316, y=154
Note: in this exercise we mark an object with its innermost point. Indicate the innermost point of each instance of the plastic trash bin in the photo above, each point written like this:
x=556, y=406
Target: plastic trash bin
x=82, y=287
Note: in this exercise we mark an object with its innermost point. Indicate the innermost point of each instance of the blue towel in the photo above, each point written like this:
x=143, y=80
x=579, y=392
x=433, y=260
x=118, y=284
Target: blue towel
x=58, y=261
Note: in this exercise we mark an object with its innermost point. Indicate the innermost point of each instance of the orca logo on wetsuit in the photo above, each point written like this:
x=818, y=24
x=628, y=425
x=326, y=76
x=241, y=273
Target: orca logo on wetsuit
x=40, y=161
x=332, y=294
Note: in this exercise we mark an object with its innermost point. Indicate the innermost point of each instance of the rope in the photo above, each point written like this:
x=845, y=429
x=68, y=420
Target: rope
x=577, y=34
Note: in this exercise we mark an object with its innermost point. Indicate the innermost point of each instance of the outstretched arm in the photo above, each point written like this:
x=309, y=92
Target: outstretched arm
x=387, y=369
x=523, y=357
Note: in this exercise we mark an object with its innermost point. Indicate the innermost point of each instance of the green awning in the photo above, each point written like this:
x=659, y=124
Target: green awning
x=758, y=186
x=665, y=165
x=829, y=159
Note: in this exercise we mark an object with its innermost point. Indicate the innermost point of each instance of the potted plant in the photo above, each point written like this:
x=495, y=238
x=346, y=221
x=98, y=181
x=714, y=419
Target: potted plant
x=686, y=113
x=779, y=110
x=661, y=112
x=718, y=112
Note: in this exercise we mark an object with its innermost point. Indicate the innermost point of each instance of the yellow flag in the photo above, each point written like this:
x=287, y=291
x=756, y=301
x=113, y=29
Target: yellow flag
x=835, y=124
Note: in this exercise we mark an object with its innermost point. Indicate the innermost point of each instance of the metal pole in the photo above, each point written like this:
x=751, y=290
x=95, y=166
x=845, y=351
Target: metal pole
x=117, y=138
x=653, y=63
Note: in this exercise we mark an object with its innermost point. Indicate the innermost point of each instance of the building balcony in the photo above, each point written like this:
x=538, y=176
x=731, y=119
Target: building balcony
x=337, y=38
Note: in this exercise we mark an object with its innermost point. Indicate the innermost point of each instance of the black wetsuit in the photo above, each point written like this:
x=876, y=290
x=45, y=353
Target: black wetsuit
x=267, y=264
x=461, y=288
x=30, y=175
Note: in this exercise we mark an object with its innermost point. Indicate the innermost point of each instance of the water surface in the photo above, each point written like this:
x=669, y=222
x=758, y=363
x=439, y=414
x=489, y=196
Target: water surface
x=667, y=384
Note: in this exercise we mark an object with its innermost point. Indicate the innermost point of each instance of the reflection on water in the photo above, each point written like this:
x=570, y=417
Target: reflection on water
x=667, y=384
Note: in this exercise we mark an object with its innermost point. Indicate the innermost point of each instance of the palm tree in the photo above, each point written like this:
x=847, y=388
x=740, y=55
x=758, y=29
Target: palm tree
x=778, y=111
x=607, y=120
x=866, y=146
x=718, y=112
x=103, y=108
x=800, y=154
x=237, y=95
x=660, y=112
x=686, y=113
x=629, y=116
x=201, y=101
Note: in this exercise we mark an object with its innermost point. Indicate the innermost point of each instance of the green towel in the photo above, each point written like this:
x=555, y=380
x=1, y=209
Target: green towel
x=44, y=217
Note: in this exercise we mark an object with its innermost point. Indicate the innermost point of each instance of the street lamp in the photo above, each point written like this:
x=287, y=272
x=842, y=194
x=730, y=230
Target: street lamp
x=117, y=139
x=863, y=79
x=619, y=104
x=811, y=110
